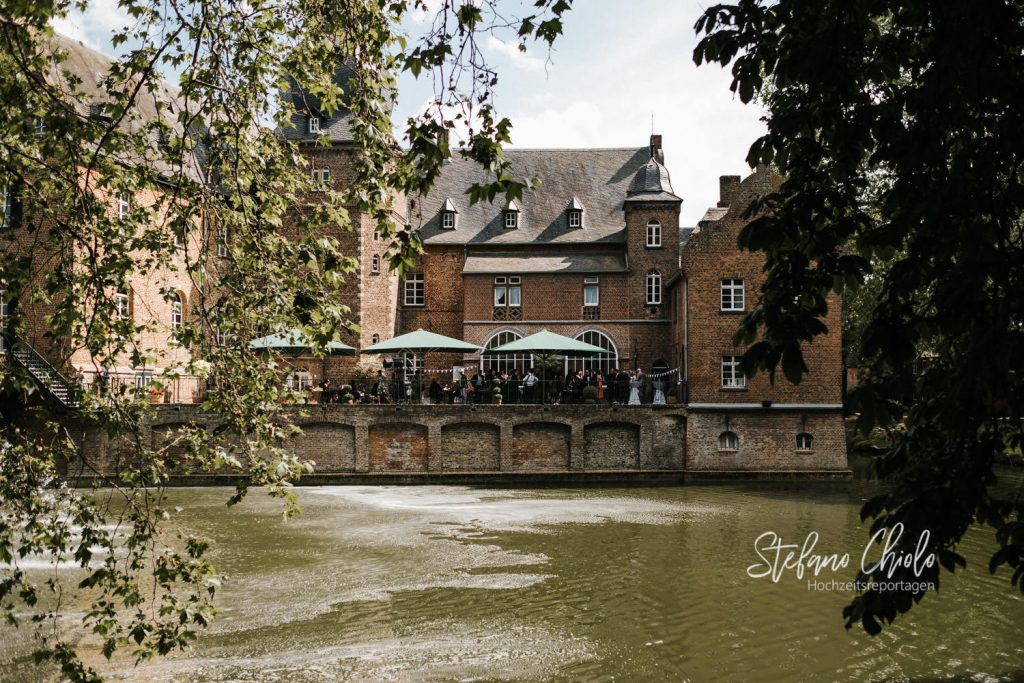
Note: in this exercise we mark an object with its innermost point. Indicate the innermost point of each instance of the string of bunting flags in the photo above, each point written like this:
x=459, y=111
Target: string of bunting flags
x=467, y=368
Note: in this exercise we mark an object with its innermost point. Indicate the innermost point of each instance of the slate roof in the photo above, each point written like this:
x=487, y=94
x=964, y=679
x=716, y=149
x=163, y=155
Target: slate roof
x=91, y=68
x=597, y=178
x=337, y=126
x=500, y=263
x=651, y=183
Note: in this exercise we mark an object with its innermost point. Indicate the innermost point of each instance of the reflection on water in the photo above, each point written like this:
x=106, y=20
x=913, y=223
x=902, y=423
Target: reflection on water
x=440, y=583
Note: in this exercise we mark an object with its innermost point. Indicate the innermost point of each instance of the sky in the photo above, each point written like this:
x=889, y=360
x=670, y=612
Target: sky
x=615, y=66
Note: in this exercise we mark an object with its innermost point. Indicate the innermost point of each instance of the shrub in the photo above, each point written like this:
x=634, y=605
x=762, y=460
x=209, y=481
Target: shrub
x=589, y=393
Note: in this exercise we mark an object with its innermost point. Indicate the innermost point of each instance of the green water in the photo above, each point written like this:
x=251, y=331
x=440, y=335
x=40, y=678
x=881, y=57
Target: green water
x=445, y=583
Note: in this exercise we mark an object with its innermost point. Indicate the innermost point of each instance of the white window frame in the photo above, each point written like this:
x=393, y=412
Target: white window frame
x=805, y=441
x=733, y=296
x=447, y=220
x=313, y=125
x=415, y=290
x=6, y=206
x=732, y=375
x=500, y=295
x=575, y=219
x=39, y=125
x=592, y=283
x=4, y=312
x=511, y=220
x=515, y=296
x=221, y=337
x=728, y=441
x=123, y=305
x=177, y=312
x=222, y=242
x=509, y=287
x=124, y=204
x=653, y=288
x=653, y=234
x=375, y=339
x=375, y=267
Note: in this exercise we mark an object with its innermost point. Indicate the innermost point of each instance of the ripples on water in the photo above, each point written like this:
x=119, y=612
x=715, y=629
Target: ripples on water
x=445, y=583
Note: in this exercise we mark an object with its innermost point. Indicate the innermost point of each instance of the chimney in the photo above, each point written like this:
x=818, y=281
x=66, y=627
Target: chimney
x=728, y=186
x=656, y=151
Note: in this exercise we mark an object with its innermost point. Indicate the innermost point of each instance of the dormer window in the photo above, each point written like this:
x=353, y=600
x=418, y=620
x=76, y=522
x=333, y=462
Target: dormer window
x=512, y=215
x=314, y=124
x=574, y=214
x=448, y=214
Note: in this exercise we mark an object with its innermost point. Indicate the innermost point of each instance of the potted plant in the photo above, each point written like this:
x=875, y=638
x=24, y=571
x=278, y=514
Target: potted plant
x=347, y=398
x=156, y=395
x=197, y=395
x=589, y=394
x=671, y=395
x=496, y=393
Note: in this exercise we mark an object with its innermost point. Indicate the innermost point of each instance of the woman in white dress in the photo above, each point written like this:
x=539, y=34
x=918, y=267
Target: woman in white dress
x=634, y=390
x=659, y=392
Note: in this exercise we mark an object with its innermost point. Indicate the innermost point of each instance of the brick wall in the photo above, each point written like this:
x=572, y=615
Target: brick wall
x=470, y=446
x=767, y=441
x=711, y=255
x=612, y=445
x=400, y=446
x=541, y=446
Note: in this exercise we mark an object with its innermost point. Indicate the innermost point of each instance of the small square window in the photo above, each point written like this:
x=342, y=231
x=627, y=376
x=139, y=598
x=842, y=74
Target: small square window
x=499, y=280
x=448, y=220
x=511, y=219
x=514, y=280
x=314, y=124
x=575, y=219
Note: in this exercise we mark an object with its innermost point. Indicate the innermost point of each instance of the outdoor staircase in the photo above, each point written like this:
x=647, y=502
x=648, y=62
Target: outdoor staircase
x=53, y=384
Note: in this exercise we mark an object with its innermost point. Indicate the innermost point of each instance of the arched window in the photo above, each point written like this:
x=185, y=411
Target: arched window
x=375, y=339
x=653, y=288
x=518, y=361
x=376, y=264
x=654, y=234
x=603, y=362
x=728, y=441
x=804, y=442
x=177, y=307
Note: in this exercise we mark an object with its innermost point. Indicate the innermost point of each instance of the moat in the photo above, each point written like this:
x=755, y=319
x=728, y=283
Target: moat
x=452, y=583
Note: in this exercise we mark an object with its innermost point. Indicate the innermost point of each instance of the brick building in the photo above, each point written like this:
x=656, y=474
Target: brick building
x=596, y=253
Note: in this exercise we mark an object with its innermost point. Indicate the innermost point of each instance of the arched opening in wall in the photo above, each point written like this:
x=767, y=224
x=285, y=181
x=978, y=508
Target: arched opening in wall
x=804, y=442
x=603, y=362
x=728, y=441
x=519, y=361
x=659, y=366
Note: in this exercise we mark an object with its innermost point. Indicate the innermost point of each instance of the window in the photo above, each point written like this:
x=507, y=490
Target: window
x=375, y=339
x=122, y=305
x=376, y=265
x=314, y=124
x=732, y=294
x=654, y=234
x=728, y=441
x=448, y=220
x=6, y=206
x=591, y=296
x=511, y=219
x=602, y=361
x=732, y=375
x=804, y=442
x=653, y=288
x=222, y=242
x=575, y=219
x=506, y=362
x=3, y=316
x=176, y=311
x=320, y=177
x=508, y=291
x=414, y=289
x=124, y=204
x=222, y=337
x=39, y=125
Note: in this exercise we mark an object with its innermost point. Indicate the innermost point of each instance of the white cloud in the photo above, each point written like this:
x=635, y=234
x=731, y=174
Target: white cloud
x=95, y=26
x=510, y=50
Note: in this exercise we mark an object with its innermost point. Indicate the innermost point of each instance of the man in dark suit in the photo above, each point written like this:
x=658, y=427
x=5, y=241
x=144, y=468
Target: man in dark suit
x=622, y=387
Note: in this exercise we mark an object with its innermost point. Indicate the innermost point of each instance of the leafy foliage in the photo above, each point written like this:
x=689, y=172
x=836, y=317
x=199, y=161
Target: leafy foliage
x=921, y=95
x=201, y=169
